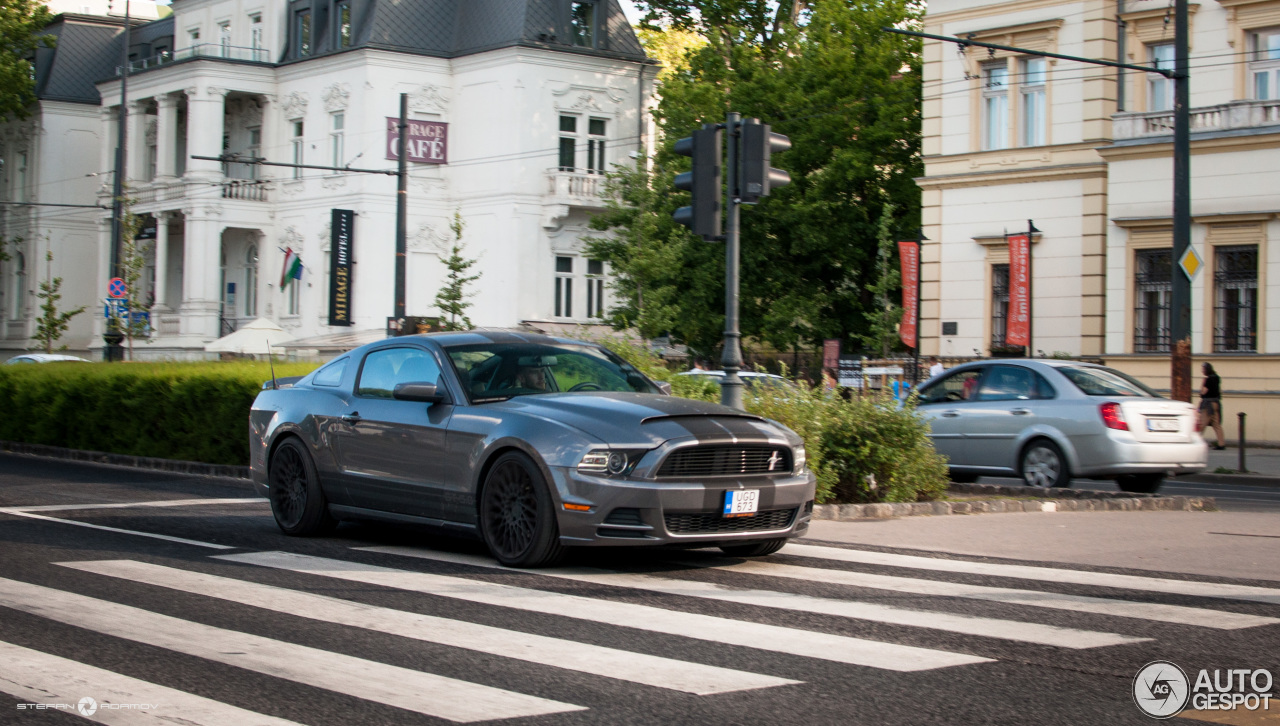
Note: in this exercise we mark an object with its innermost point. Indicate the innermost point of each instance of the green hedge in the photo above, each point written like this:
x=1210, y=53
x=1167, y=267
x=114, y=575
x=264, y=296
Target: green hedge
x=185, y=411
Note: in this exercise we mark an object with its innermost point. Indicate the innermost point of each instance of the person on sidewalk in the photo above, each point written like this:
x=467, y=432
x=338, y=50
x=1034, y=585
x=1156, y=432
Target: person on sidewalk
x=935, y=367
x=1211, y=405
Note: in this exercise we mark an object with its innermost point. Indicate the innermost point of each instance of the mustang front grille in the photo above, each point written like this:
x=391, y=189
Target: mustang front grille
x=715, y=523
x=700, y=461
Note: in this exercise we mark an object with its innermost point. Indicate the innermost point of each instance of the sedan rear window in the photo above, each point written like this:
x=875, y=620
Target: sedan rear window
x=1099, y=381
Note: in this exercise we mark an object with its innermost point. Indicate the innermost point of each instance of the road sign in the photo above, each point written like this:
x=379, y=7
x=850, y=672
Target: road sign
x=1190, y=263
x=114, y=307
x=116, y=288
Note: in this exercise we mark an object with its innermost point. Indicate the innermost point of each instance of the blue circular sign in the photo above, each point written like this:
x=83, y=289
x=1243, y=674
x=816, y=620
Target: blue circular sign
x=116, y=288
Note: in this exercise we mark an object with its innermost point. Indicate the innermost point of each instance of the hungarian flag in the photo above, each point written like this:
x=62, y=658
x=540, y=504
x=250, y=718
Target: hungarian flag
x=292, y=267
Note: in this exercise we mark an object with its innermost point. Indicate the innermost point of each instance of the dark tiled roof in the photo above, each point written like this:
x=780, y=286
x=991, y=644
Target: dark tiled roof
x=86, y=50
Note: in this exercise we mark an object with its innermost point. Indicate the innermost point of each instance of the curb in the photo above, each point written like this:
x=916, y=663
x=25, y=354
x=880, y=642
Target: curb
x=1064, y=500
x=1253, y=480
x=136, y=462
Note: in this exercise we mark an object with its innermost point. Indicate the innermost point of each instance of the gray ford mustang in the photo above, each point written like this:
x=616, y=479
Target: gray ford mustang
x=530, y=442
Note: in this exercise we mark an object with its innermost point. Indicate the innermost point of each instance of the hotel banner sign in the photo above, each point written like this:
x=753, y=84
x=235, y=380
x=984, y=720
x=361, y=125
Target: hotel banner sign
x=341, y=231
x=427, y=141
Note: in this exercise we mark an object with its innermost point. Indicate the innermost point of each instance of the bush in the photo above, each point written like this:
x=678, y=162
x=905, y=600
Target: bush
x=186, y=411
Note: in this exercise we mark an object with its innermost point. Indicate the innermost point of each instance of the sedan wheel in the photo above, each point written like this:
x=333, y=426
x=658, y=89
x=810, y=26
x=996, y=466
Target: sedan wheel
x=297, y=501
x=517, y=516
x=1043, y=465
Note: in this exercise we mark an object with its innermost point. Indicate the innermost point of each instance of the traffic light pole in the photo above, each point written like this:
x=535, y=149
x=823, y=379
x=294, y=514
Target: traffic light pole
x=731, y=358
x=1180, y=302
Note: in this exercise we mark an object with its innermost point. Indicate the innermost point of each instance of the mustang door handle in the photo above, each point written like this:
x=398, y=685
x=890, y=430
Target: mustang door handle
x=950, y=414
x=1020, y=411
x=353, y=417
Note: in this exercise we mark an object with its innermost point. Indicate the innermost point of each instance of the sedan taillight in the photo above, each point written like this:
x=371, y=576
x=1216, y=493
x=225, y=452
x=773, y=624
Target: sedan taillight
x=1113, y=417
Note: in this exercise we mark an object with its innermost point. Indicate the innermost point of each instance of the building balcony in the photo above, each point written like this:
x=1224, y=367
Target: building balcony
x=1223, y=117
x=215, y=51
x=576, y=188
x=165, y=193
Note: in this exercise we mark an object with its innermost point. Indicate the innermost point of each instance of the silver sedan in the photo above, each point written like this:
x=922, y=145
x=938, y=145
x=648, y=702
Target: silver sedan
x=1049, y=420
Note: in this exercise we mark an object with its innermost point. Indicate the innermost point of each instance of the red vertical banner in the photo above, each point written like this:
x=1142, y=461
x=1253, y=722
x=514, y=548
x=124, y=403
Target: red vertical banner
x=1018, y=331
x=831, y=354
x=909, y=255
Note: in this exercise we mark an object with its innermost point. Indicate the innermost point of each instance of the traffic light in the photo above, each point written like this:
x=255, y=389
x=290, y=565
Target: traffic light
x=758, y=146
x=703, y=215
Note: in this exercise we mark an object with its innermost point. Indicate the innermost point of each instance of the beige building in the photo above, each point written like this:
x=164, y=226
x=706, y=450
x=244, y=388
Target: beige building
x=1085, y=152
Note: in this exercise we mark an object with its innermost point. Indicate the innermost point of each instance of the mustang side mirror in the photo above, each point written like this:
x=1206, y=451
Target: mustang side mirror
x=664, y=387
x=417, y=391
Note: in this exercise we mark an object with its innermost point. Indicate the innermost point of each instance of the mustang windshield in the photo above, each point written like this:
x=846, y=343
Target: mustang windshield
x=498, y=371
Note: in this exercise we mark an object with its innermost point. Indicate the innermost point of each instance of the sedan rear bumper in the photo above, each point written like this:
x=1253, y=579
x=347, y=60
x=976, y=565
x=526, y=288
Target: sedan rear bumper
x=626, y=512
x=1118, y=454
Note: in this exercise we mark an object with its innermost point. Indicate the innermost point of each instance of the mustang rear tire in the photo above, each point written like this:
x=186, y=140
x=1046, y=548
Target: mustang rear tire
x=298, y=503
x=754, y=549
x=517, y=515
x=1044, y=466
x=1140, y=483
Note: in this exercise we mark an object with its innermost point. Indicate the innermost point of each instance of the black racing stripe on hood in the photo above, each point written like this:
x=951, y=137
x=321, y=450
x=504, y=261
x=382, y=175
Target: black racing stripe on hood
x=717, y=428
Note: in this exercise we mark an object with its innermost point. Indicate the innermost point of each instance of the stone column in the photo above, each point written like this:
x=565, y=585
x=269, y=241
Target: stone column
x=269, y=123
x=202, y=249
x=162, y=263
x=205, y=109
x=137, y=143
x=166, y=135
x=103, y=262
x=107, y=157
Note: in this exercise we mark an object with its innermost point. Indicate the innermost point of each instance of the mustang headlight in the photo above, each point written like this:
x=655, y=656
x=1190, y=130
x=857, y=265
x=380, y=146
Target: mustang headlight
x=798, y=459
x=610, y=462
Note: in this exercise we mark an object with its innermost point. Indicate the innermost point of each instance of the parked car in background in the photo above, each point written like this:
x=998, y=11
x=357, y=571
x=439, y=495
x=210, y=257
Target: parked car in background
x=1049, y=420
x=529, y=442
x=43, y=358
x=751, y=379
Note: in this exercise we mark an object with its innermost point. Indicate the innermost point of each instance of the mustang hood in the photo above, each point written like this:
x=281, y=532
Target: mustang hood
x=642, y=420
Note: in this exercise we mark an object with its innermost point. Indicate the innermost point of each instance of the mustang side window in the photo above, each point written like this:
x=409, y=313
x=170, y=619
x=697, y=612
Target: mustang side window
x=383, y=369
x=331, y=375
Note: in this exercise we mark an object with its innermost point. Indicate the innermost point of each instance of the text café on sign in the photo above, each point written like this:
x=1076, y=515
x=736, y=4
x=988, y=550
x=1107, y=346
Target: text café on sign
x=427, y=141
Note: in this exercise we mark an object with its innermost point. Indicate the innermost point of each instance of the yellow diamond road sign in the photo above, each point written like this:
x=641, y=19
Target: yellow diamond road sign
x=1190, y=263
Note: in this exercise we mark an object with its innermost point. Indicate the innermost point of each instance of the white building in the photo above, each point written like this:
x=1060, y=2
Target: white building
x=540, y=97
x=1085, y=152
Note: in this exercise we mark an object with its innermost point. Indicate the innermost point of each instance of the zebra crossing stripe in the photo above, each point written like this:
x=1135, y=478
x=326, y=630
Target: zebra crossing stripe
x=1224, y=591
x=104, y=528
x=34, y=677
x=597, y=660
x=1014, y=630
x=1159, y=612
x=133, y=505
x=761, y=636
x=425, y=693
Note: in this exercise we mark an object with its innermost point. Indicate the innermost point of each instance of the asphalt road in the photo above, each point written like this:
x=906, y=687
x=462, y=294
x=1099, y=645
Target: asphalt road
x=1229, y=497
x=179, y=594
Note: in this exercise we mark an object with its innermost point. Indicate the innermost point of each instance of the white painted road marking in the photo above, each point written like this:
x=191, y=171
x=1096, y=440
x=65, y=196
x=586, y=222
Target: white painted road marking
x=1179, y=614
x=433, y=695
x=597, y=660
x=130, y=505
x=34, y=677
x=807, y=643
x=104, y=528
x=965, y=624
x=1271, y=596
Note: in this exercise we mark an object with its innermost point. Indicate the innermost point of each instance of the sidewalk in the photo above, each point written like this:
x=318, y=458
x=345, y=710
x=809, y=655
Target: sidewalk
x=1211, y=544
x=1263, y=467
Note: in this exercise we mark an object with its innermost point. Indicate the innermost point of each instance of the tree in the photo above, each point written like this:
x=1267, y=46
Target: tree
x=885, y=315
x=52, y=323
x=20, y=21
x=452, y=298
x=848, y=96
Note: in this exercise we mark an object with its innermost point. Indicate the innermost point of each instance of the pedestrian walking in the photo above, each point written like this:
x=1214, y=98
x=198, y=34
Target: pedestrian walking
x=935, y=367
x=1210, y=413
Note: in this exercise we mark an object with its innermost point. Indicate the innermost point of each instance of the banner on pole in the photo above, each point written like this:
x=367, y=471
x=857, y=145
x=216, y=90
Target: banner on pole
x=1018, y=331
x=909, y=254
x=340, y=231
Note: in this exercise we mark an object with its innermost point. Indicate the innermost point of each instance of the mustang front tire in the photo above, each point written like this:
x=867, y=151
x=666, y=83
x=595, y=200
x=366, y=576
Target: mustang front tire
x=297, y=501
x=517, y=515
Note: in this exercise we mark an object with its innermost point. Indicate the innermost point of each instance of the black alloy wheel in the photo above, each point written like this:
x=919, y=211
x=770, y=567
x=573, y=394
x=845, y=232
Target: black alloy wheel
x=754, y=549
x=1140, y=483
x=517, y=516
x=297, y=501
x=1044, y=466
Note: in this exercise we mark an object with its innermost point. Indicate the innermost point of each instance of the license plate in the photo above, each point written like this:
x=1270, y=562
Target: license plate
x=741, y=503
x=1162, y=424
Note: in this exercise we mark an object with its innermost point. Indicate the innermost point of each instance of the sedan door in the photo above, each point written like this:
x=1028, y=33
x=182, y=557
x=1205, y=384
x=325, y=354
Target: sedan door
x=948, y=402
x=393, y=452
x=1010, y=400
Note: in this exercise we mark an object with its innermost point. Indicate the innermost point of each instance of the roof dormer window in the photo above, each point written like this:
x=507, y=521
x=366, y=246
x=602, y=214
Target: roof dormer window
x=302, y=26
x=582, y=23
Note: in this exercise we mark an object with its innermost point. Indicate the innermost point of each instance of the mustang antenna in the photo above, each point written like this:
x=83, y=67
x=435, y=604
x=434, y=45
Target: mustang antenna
x=272, y=361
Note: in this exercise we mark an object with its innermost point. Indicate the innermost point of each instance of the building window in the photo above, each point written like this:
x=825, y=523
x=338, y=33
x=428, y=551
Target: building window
x=568, y=142
x=255, y=36
x=1264, y=63
x=999, y=306
x=564, y=287
x=1235, y=283
x=1153, y=293
x=595, y=289
x=298, y=148
x=19, y=297
x=595, y=145
x=251, y=282
x=995, y=107
x=583, y=24
x=224, y=39
x=344, y=25
x=1032, y=122
x=1160, y=88
x=336, y=138
x=303, y=31
x=194, y=36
